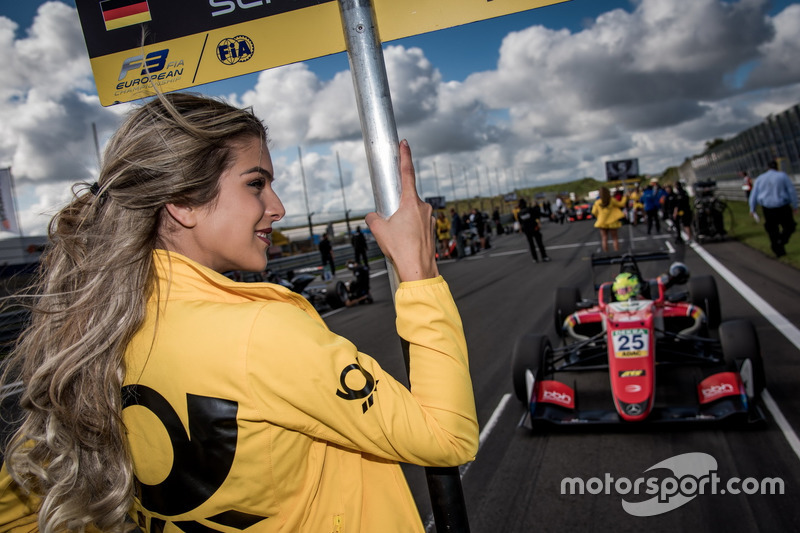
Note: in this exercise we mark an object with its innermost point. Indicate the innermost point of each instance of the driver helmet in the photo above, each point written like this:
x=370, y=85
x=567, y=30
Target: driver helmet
x=678, y=272
x=626, y=286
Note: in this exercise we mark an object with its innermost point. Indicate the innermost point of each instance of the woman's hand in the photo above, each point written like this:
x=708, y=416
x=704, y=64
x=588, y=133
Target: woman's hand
x=407, y=236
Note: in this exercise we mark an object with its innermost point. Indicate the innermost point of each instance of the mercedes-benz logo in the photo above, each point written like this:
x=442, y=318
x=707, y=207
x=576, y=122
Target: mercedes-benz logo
x=633, y=409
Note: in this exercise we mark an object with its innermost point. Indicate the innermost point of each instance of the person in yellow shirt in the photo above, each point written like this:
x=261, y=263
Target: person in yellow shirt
x=443, y=234
x=608, y=215
x=635, y=205
x=160, y=394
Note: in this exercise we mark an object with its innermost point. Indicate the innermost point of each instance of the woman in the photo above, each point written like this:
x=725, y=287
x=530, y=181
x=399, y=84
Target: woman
x=608, y=215
x=159, y=391
x=443, y=234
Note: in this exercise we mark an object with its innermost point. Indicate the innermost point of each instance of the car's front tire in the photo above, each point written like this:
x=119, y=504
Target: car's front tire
x=742, y=353
x=529, y=356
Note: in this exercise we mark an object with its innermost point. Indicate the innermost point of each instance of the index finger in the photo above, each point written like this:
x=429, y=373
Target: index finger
x=408, y=179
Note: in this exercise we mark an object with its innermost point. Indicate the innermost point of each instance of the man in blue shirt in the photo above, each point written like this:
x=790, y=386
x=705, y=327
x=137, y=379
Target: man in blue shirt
x=653, y=198
x=775, y=192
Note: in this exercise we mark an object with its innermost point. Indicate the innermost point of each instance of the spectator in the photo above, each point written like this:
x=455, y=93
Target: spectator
x=326, y=253
x=529, y=220
x=669, y=205
x=560, y=211
x=359, y=242
x=496, y=219
x=456, y=228
x=476, y=222
x=652, y=200
x=515, y=214
x=443, y=234
x=747, y=185
x=682, y=213
x=635, y=206
x=775, y=193
x=154, y=386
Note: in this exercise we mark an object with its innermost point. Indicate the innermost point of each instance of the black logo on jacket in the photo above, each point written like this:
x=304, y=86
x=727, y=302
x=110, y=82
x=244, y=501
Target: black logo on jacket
x=202, y=458
x=351, y=394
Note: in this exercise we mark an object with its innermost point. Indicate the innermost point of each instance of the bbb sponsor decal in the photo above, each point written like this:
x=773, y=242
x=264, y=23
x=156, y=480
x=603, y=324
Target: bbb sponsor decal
x=556, y=392
x=717, y=390
x=558, y=397
x=718, y=386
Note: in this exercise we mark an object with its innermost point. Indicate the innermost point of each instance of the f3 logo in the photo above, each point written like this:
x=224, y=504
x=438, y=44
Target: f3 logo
x=352, y=394
x=151, y=63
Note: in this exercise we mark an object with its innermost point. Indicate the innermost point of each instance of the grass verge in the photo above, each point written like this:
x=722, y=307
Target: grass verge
x=747, y=231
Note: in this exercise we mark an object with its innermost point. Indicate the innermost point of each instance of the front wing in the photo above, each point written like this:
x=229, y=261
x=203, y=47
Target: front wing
x=721, y=396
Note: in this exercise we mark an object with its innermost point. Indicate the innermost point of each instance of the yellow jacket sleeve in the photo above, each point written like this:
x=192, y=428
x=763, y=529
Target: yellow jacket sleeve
x=347, y=398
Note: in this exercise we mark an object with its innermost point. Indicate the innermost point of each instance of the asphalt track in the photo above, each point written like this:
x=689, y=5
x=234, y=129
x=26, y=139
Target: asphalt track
x=515, y=483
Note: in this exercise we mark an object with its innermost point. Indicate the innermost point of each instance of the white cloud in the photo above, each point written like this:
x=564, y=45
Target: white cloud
x=654, y=83
x=780, y=65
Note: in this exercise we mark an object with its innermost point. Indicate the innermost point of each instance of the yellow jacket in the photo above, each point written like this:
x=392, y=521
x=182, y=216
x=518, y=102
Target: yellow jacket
x=608, y=217
x=245, y=411
x=442, y=229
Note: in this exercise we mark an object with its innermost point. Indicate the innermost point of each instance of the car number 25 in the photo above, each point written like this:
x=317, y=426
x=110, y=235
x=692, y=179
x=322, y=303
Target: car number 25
x=631, y=342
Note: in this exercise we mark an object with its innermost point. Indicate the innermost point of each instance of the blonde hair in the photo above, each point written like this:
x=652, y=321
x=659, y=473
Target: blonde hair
x=94, y=281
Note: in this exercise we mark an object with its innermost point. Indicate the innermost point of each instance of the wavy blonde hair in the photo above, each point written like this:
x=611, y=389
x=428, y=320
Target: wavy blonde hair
x=95, y=278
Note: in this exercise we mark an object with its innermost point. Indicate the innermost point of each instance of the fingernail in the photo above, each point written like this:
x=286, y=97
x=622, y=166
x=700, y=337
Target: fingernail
x=404, y=142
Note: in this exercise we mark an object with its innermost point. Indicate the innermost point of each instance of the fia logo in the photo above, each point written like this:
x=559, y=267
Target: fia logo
x=352, y=394
x=235, y=50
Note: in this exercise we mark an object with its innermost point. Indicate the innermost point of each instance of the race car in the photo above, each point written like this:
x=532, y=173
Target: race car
x=580, y=212
x=642, y=337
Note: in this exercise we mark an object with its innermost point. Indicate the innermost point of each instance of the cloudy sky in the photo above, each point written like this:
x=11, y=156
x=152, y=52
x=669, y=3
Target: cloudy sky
x=539, y=97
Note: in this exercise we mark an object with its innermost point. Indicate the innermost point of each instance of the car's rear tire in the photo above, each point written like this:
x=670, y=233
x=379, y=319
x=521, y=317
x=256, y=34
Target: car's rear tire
x=337, y=297
x=566, y=303
x=742, y=353
x=529, y=355
x=703, y=293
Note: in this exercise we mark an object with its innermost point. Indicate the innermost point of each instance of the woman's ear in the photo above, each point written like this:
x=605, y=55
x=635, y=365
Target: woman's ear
x=184, y=215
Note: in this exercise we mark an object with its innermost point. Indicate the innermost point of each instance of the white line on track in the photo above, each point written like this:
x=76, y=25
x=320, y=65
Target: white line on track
x=788, y=432
x=776, y=319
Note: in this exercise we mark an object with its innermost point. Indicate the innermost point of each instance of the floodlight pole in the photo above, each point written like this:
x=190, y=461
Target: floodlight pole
x=383, y=158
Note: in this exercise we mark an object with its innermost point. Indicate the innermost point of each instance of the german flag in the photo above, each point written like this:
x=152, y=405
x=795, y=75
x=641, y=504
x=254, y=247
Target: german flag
x=121, y=13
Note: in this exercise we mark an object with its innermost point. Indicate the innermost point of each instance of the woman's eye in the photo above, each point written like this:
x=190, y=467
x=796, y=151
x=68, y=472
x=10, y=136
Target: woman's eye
x=258, y=183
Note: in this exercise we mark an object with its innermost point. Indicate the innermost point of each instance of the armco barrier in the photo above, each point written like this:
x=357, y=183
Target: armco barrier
x=341, y=254
x=732, y=189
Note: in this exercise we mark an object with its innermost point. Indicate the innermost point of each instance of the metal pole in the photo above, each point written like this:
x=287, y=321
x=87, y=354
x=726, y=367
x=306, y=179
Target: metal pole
x=305, y=193
x=383, y=158
x=436, y=177
x=341, y=182
x=453, y=183
x=96, y=144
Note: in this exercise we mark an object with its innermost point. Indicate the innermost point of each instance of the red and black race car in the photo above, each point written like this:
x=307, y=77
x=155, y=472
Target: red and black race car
x=580, y=212
x=664, y=354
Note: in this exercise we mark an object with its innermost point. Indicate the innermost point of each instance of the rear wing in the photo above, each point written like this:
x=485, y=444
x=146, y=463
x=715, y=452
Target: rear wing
x=607, y=258
x=628, y=261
